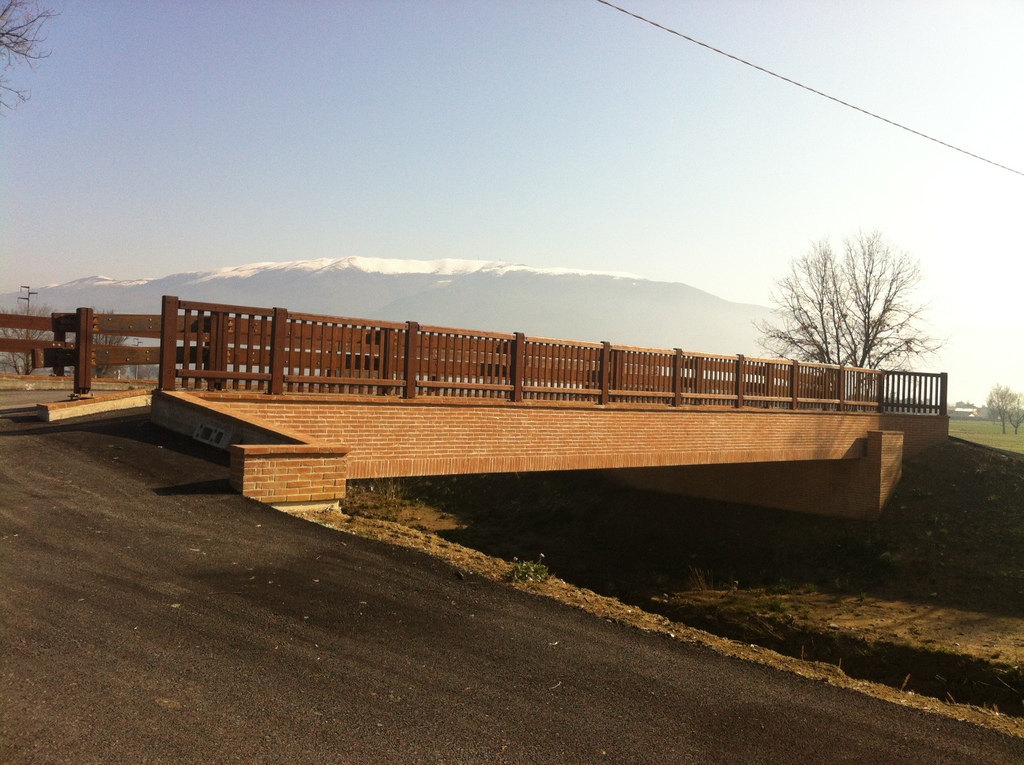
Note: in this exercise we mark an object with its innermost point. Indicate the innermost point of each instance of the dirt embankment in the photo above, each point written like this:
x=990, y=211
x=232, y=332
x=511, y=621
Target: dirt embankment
x=929, y=599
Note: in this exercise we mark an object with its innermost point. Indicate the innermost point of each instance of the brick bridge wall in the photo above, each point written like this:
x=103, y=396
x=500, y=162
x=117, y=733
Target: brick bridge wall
x=431, y=438
x=392, y=437
x=837, y=488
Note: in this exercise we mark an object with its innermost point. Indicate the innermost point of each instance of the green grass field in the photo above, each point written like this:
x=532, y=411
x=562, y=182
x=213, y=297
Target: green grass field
x=987, y=433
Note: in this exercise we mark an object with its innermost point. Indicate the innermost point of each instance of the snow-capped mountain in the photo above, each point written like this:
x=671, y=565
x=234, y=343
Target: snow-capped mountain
x=473, y=294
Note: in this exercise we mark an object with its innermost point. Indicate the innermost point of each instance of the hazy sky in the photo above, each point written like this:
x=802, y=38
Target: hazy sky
x=172, y=136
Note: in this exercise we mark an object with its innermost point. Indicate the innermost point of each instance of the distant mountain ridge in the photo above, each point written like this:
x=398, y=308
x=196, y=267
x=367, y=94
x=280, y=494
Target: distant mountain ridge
x=474, y=294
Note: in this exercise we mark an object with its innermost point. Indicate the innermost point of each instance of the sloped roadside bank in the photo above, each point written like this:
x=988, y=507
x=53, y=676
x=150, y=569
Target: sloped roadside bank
x=468, y=561
x=941, y=671
x=928, y=599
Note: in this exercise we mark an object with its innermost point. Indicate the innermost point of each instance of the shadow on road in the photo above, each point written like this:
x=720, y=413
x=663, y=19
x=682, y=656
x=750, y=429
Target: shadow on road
x=220, y=486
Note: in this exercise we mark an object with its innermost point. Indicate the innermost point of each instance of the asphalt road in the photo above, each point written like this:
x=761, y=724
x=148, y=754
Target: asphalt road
x=151, y=615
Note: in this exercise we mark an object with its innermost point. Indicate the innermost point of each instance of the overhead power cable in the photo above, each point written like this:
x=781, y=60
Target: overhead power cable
x=695, y=41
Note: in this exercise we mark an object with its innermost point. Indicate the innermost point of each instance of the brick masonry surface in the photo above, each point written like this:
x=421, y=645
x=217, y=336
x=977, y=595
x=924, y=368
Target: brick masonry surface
x=277, y=473
x=392, y=439
x=374, y=438
x=839, y=488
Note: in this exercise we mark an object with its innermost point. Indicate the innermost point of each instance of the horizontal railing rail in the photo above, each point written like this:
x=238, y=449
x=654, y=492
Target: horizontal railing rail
x=224, y=347
x=85, y=340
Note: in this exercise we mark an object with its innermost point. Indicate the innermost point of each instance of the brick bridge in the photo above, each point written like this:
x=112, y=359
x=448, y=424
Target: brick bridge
x=305, y=402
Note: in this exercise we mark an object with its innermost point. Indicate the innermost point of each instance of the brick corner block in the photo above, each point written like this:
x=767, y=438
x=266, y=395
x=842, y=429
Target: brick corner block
x=289, y=473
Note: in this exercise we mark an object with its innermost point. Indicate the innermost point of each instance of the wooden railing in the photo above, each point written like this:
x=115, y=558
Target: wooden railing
x=82, y=340
x=221, y=347
x=915, y=393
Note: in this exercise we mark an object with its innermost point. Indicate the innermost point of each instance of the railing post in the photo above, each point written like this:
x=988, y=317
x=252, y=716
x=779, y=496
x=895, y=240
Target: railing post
x=841, y=385
x=677, y=378
x=168, y=342
x=883, y=380
x=794, y=384
x=741, y=362
x=59, y=336
x=278, y=339
x=412, y=357
x=385, y=365
x=606, y=368
x=216, y=361
x=83, y=351
x=517, y=367
x=943, y=389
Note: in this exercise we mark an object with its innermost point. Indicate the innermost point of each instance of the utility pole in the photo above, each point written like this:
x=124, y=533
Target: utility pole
x=27, y=297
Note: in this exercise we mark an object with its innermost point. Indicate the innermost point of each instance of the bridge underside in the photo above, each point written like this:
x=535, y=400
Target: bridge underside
x=301, y=449
x=848, y=488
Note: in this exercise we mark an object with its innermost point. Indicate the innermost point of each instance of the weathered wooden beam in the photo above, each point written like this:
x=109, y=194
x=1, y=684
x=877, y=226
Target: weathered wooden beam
x=605, y=373
x=23, y=321
x=123, y=355
x=14, y=345
x=169, y=332
x=53, y=357
x=83, y=347
x=412, y=358
x=278, y=354
x=518, y=365
x=128, y=324
x=741, y=378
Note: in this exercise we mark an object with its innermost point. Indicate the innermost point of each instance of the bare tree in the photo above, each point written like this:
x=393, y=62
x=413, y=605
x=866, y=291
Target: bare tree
x=17, y=362
x=857, y=309
x=102, y=338
x=21, y=35
x=1000, y=403
x=1016, y=414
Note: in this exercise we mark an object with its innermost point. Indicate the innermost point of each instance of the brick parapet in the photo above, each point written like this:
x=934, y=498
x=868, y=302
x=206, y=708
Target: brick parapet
x=431, y=439
x=392, y=437
x=919, y=431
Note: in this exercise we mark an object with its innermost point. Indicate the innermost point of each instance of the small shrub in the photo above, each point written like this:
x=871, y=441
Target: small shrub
x=781, y=587
x=889, y=561
x=390, y=490
x=529, y=571
x=700, y=579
